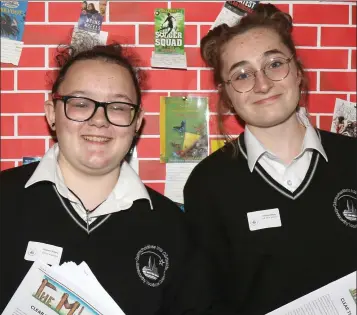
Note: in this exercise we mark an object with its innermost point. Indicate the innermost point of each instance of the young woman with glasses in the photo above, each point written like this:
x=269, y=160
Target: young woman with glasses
x=85, y=198
x=275, y=208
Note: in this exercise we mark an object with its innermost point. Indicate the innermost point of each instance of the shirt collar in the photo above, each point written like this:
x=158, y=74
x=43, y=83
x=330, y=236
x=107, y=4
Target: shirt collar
x=311, y=141
x=128, y=188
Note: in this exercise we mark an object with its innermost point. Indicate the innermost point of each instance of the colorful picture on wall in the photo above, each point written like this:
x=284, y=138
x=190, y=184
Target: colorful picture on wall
x=92, y=15
x=183, y=129
x=169, y=31
x=344, y=118
x=13, y=14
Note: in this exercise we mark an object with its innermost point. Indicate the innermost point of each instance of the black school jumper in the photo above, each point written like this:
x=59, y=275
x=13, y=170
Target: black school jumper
x=114, y=248
x=259, y=271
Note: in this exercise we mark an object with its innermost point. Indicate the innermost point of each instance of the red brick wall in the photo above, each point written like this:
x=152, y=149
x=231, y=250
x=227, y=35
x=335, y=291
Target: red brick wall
x=325, y=33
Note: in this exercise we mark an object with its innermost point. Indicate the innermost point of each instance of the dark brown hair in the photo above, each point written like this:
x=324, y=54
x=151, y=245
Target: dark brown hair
x=113, y=53
x=212, y=45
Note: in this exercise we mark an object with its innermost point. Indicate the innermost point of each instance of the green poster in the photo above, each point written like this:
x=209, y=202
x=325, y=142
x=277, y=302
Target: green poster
x=169, y=31
x=183, y=129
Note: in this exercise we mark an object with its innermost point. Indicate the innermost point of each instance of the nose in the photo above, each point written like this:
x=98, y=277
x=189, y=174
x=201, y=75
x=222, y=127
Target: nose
x=262, y=83
x=99, y=120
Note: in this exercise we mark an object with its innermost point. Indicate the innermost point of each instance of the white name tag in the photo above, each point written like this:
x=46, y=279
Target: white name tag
x=49, y=254
x=264, y=219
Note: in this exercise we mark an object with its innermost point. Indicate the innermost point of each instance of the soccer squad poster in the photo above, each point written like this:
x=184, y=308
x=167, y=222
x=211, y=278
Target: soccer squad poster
x=13, y=15
x=169, y=31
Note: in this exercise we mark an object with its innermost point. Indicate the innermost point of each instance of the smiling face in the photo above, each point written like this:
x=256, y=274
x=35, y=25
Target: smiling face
x=94, y=146
x=269, y=103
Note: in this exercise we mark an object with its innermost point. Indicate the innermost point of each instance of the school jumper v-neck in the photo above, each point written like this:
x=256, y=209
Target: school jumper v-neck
x=117, y=247
x=258, y=271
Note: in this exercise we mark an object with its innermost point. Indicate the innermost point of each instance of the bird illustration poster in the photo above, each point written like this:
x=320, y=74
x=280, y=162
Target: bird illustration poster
x=13, y=14
x=183, y=129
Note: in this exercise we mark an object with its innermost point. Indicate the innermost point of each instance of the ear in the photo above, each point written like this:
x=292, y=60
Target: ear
x=50, y=112
x=139, y=120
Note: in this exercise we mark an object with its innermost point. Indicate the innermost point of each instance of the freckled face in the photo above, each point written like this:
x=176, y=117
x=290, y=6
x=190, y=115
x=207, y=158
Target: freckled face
x=269, y=103
x=95, y=146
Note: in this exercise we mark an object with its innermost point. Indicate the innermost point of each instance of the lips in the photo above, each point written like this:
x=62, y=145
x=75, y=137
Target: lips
x=98, y=139
x=268, y=99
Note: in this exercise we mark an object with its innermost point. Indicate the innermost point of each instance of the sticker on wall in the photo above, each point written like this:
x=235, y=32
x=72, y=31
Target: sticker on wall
x=233, y=11
x=344, y=118
x=13, y=14
x=169, y=39
x=183, y=129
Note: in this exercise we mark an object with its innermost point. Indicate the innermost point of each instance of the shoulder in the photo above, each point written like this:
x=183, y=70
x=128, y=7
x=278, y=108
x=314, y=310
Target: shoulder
x=17, y=176
x=216, y=165
x=163, y=204
x=333, y=142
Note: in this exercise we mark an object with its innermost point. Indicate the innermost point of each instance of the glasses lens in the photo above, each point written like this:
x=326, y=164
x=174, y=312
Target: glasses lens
x=120, y=114
x=79, y=109
x=277, y=69
x=243, y=80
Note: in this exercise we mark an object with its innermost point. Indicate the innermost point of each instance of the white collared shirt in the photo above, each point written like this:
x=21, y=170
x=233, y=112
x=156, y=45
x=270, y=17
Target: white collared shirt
x=128, y=188
x=289, y=176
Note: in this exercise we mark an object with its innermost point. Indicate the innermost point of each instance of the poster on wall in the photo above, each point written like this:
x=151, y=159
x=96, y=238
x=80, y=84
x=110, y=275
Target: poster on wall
x=344, y=118
x=169, y=39
x=183, y=129
x=89, y=26
x=233, y=11
x=13, y=14
x=92, y=15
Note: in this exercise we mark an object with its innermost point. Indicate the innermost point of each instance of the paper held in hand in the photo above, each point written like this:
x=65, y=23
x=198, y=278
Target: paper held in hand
x=66, y=289
x=336, y=298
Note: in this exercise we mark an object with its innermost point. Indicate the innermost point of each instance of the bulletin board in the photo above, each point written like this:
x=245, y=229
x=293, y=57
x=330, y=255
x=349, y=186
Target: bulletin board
x=324, y=32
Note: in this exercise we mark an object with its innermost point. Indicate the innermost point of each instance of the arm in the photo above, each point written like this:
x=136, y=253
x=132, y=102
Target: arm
x=203, y=216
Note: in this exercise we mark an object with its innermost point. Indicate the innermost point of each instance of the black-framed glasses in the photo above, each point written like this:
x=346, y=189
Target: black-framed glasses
x=244, y=79
x=78, y=108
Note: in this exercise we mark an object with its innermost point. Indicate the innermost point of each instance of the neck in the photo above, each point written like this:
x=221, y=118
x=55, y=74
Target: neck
x=284, y=140
x=91, y=189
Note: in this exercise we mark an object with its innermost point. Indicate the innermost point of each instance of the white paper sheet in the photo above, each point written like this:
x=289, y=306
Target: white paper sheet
x=176, y=177
x=174, y=61
x=336, y=298
x=11, y=51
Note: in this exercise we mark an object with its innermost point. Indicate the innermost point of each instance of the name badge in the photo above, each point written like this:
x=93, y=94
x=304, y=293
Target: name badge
x=49, y=254
x=264, y=219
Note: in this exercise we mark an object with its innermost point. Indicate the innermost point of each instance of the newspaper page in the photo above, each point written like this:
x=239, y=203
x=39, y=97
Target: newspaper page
x=336, y=298
x=45, y=290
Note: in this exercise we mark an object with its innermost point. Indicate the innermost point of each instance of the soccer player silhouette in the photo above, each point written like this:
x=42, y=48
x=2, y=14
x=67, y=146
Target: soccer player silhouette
x=170, y=24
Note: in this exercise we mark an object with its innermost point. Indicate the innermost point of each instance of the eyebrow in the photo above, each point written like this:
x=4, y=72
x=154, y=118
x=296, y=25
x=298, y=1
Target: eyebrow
x=117, y=95
x=265, y=54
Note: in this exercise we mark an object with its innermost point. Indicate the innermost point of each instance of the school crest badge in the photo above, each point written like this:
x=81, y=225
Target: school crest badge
x=345, y=205
x=152, y=263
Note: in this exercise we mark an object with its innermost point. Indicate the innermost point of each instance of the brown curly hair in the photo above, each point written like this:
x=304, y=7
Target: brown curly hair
x=212, y=46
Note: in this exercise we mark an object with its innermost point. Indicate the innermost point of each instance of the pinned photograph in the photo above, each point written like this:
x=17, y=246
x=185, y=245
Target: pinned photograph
x=344, y=118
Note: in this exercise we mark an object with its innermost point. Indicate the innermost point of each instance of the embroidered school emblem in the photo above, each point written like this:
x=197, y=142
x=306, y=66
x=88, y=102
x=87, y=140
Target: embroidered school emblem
x=151, y=265
x=345, y=205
